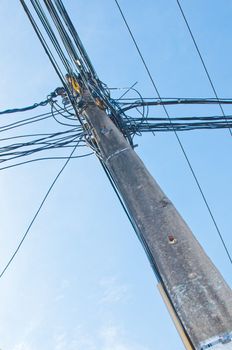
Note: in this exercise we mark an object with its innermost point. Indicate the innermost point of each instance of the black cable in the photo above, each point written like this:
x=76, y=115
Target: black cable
x=133, y=103
x=28, y=108
x=45, y=22
x=177, y=137
x=11, y=150
x=44, y=44
x=26, y=121
x=202, y=60
x=36, y=214
x=34, y=143
x=126, y=92
x=176, y=99
x=141, y=125
x=49, y=53
x=58, y=121
x=91, y=82
x=69, y=115
x=75, y=36
x=45, y=158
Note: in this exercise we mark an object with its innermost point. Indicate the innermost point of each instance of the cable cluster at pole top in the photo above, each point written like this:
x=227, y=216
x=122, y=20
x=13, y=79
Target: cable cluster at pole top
x=133, y=117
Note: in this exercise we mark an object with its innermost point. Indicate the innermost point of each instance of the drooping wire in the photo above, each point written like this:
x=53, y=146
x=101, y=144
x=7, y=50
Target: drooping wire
x=37, y=213
x=24, y=109
x=31, y=144
x=46, y=158
x=176, y=134
x=202, y=60
x=13, y=148
x=53, y=106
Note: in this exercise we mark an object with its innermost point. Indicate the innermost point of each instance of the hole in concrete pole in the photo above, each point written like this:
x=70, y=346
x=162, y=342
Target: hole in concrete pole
x=171, y=239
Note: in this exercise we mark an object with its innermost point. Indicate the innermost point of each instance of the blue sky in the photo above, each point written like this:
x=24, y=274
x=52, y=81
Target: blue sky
x=82, y=280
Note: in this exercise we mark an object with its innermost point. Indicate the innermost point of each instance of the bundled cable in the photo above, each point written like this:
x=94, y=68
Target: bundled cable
x=28, y=108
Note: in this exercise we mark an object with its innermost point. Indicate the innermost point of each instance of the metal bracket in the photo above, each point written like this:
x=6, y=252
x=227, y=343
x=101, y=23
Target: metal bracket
x=116, y=153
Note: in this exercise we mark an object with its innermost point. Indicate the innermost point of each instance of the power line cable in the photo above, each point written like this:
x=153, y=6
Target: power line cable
x=28, y=108
x=130, y=103
x=176, y=134
x=45, y=158
x=44, y=44
x=37, y=213
x=202, y=60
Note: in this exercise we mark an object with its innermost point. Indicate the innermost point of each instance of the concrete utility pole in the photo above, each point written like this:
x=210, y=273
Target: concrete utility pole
x=199, y=298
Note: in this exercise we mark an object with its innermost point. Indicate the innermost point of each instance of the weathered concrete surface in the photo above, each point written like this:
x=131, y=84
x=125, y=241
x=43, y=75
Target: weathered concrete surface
x=202, y=299
x=221, y=347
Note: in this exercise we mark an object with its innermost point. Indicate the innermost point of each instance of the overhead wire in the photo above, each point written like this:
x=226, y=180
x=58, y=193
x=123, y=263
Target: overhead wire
x=53, y=106
x=130, y=103
x=202, y=61
x=160, y=124
x=75, y=37
x=176, y=135
x=88, y=75
x=42, y=17
x=44, y=43
x=19, y=150
x=45, y=158
x=26, y=121
x=136, y=125
x=24, y=109
x=5, y=268
x=18, y=146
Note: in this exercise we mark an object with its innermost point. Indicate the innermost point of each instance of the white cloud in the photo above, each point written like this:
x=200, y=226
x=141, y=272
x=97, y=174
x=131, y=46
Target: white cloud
x=58, y=297
x=65, y=284
x=22, y=346
x=109, y=337
x=60, y=341
x=113, y=338
x=113, y=290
